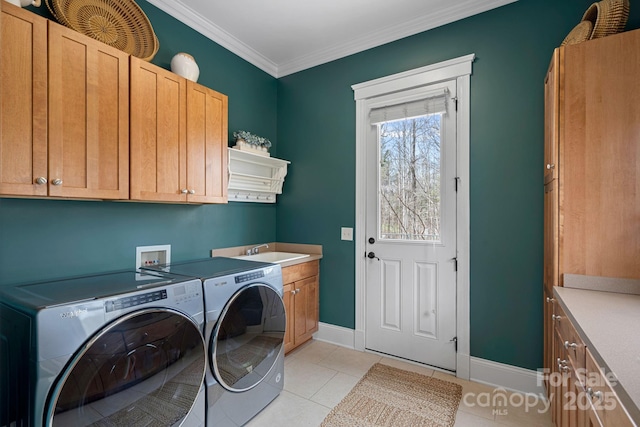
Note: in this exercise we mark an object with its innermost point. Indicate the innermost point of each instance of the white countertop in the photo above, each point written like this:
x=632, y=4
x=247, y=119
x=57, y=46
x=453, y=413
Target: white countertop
x=610, y=325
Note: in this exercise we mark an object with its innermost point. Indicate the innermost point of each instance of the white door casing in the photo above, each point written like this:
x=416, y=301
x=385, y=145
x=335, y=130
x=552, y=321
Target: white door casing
x=459, y=70
x=411, y=279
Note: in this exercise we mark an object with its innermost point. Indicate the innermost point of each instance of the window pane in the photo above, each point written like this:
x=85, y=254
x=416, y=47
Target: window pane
x=410, y=179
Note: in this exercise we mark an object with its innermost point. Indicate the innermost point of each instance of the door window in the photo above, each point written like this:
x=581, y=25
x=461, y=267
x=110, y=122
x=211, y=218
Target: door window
x=248, y=337
x=145, y=368
x=409, y=199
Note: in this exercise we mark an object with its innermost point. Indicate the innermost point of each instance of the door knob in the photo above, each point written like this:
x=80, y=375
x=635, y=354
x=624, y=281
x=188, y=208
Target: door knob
x=372, y=255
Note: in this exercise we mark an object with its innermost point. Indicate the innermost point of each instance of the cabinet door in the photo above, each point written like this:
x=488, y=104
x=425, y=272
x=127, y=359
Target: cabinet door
x=288, y=297
x=206, y=144
x=551, y=240
x=158, y=134
x=551, y=117
x=559, y=383
x=306, y=311
x=88, y=117
x=548, y=304
x=23, y=93
x=600, y=170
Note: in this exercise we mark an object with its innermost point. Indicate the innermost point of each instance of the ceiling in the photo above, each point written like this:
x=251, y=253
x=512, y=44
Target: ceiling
x=282, y=37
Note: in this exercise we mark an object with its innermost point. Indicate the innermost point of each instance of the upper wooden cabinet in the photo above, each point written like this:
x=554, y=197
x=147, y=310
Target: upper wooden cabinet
x=552, y=117
x=178, y=138
x=158, y=134
x=68, y=111
x=207, y=113
x=592, y=216
x=88, y=117
x=65, y=111
x=23, y=92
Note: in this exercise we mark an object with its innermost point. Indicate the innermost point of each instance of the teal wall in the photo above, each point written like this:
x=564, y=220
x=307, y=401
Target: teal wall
x=316, y=132
x=311, y=114
x=42, y=239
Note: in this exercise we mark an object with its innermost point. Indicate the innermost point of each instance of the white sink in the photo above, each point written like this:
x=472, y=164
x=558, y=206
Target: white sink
x=275, y=257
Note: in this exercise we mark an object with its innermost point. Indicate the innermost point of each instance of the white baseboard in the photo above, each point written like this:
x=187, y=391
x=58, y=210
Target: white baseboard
x=337, y=335
x=506, y=376
x=476, y=369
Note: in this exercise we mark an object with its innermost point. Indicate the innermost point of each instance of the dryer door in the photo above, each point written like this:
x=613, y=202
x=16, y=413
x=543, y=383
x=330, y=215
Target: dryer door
x=145, y=368
x=248, y=337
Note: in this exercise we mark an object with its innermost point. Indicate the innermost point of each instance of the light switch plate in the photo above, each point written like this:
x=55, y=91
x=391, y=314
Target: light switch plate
x=346, y=233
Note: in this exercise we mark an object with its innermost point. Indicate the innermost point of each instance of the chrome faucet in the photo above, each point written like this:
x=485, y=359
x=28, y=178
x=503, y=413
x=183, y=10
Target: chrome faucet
x=256, y=249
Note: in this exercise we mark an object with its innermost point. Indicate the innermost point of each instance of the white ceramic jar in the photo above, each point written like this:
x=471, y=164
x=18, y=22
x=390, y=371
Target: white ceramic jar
x=184, y=65
x=25, y=3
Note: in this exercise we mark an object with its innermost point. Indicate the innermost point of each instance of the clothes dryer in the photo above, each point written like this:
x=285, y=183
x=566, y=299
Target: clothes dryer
x=244, y=334
x=123, y=348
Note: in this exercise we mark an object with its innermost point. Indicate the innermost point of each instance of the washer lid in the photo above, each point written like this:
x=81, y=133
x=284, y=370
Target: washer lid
x=69, y=290
x=210, y=267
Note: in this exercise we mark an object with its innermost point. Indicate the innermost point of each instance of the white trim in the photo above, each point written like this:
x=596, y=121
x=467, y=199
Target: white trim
x=459, y=69
x=482, y=371
x=379, y=37
x=506, y=376
x=207, y=28
x=429, y=74
x=337, y=335
x=455, y=12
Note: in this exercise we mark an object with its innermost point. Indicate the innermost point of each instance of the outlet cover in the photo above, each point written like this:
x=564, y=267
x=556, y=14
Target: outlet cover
x=346, y=233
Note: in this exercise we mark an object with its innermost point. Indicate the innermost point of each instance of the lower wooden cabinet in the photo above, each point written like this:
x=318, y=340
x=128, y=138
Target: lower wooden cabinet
x=301, y=301
x=579, y=391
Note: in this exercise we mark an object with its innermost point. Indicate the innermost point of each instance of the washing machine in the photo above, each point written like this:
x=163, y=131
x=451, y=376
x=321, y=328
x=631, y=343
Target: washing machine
x=244, y=334
x=123, y=348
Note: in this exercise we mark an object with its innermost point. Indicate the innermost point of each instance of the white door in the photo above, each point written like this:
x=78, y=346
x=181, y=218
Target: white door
x=411, y=225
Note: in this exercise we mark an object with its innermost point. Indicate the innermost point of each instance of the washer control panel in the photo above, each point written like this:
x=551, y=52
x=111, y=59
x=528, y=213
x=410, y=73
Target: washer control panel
x=134, y=300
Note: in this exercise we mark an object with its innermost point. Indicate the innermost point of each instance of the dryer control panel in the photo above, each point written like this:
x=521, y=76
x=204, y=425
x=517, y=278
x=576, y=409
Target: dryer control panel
x=241, y=278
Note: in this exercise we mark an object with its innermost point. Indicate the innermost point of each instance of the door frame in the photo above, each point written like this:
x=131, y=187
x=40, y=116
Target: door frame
x=459, y=69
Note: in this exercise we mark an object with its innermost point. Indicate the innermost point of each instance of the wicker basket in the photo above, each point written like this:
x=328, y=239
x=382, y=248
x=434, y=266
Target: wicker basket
x=118, y=23
x=608, y=17
x=580, y=33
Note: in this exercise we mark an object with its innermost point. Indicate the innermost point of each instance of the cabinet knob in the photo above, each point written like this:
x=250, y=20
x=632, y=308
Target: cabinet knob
x=550, y=166
x=192, y=191
x=562, y=365
x=569, y=345
x=554, y=317
x=41, y=180
x=57, y=181
x=184, y=191
x=551, y=299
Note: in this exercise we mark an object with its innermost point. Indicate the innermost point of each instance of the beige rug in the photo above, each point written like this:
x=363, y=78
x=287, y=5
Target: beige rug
x=388, y=396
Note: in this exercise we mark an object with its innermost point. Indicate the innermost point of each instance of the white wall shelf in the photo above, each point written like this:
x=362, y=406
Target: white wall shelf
x=255, y=178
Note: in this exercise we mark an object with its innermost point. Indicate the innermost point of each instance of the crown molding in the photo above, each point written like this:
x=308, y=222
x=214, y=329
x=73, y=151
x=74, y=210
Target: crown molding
x=390, y=34
x=189, y=17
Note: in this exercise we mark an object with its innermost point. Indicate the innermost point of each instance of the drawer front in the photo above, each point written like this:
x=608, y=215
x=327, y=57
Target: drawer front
x=572, y=342
x=300, y=271
x=604, y=401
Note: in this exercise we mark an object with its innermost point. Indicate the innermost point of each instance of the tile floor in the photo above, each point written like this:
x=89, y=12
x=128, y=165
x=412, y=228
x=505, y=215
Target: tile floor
x=318, y=375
